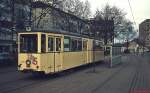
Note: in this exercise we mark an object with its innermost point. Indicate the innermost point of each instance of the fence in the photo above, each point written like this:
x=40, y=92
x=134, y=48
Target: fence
x=146, y=55
x=113, y=55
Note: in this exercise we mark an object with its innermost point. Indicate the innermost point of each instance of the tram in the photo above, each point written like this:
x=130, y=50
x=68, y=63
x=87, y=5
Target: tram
x=57, y=41
x=54, y=52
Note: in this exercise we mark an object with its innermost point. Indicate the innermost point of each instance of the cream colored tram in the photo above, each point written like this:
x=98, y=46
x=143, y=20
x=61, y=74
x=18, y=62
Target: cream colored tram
x=52, y=53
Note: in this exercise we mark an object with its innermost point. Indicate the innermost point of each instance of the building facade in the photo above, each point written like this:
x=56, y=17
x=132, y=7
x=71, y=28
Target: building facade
x=12, y=19
x=144, y=33
x=5, y=27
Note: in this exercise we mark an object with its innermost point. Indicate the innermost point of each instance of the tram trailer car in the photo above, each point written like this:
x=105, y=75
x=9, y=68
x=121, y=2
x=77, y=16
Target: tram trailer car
x=52, y=53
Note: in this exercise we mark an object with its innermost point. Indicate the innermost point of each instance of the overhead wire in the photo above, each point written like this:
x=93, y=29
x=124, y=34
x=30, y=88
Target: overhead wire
x=132, y=13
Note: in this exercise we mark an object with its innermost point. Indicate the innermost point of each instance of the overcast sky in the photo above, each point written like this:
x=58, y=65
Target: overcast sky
x=141, y=8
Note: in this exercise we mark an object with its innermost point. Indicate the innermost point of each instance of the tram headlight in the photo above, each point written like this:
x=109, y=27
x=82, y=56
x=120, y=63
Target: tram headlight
x=19, y=65
x=34, y=62
x=28, y=62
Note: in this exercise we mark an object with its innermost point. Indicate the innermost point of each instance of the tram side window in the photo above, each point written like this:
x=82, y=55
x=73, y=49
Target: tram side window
x=97, y=46
x=79, y=45
x=107, y=51
x=58, y=44
x=66, y=44
x=84, y=45
x=43, y=43
x=74, y=46
x=50, y=44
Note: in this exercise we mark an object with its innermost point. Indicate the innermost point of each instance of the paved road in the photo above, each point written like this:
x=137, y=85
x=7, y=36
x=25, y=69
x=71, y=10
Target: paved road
x=132, y=76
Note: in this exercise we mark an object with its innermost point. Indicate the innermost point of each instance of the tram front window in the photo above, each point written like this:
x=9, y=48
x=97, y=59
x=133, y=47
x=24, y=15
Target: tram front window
x=28, y=43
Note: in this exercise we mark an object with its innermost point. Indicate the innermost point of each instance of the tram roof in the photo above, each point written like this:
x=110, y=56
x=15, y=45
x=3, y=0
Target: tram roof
x=58, y=32
x=64, y=33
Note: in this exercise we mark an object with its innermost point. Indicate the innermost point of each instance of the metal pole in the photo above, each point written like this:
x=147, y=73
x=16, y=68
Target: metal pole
x=94, y=70
x=94, y=53
x=30, y=18
x=113, y=36
x=13, y=23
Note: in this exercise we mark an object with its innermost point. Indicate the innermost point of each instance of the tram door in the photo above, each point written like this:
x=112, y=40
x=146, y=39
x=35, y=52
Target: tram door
x=58, y=54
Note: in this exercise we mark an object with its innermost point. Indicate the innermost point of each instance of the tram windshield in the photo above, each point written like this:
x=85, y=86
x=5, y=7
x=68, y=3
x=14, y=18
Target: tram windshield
x=28, y=43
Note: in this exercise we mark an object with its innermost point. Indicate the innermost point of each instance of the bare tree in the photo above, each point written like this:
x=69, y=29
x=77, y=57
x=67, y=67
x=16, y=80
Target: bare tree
x=86, y=13
x=121, y=24
x=78, y=8
x=98, y=15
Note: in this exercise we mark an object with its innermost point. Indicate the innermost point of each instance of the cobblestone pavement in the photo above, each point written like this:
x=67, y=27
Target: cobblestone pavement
x=132, y=76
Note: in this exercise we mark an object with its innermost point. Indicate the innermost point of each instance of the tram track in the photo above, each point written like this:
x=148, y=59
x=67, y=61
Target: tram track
x=36, y=82
x=6, y=72
x=33, y=82
x=47, y=80
x=139, y=82
x=109, y=78
x=25, y=84
x=11, y=81
x=134, y=79
x=8, y=69
x=21, y=87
